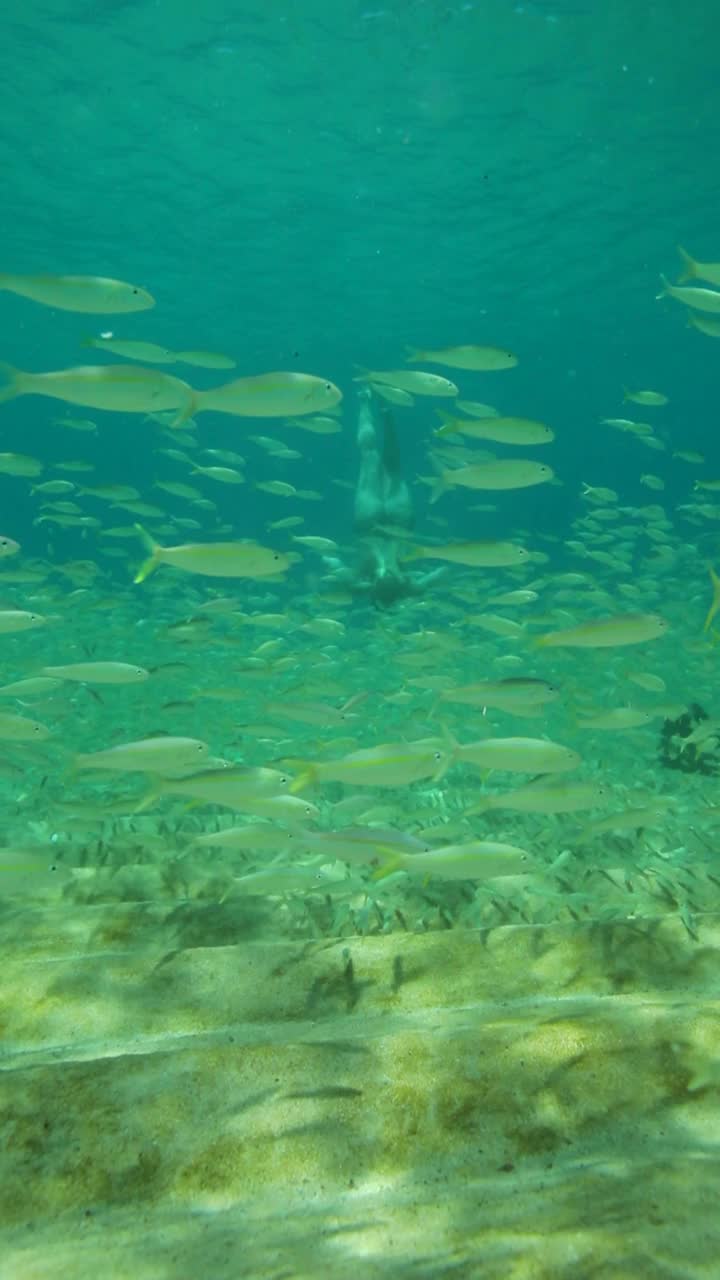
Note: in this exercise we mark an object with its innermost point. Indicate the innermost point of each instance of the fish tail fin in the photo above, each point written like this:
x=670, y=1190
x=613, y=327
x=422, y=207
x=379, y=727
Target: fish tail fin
x=438, y=483
x=413, y=552
x=449, y=423
x=10, y=382
x=190, y=406
x=453, y=754
x=147, y=801
x=394, y=862
x=689, y=266
x=715, y=603
x=665, y=288
x=414, y=354
x=153, y=560
x=303, y=779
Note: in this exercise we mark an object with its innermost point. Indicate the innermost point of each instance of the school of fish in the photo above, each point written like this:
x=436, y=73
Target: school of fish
x=197, y=702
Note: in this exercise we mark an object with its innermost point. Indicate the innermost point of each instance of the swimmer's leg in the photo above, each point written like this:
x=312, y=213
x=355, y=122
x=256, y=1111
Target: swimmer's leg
x=369, y=487
x=397, y=503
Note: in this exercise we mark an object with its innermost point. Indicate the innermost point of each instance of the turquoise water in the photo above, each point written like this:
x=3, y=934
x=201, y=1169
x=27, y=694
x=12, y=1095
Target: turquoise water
x=312, y=187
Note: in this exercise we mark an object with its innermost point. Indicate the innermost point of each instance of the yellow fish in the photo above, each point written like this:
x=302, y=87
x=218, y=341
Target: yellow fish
x=541, y=796
x=205, y=359
x=480, y=359
x=116, y=388
x=20, y=729
x=478, y=554
x=80, y=293
x=391, y=764
x=145, y=351
x=645, y=397
x=270, y=395
x=699, y=299
x=502, y=473
x=99, y=672
x=477, y=860
x=416, y=381
x=520, y=431
x=149, y=755
x=621, y=629
x=19, y=464
x=214, y=559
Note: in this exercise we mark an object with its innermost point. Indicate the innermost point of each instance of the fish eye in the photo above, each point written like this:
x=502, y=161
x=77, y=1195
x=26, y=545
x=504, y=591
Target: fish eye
x=328, y=386
x=438, y=755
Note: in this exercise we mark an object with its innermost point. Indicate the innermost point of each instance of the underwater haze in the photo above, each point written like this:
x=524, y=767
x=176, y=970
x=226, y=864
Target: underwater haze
x=359, y=623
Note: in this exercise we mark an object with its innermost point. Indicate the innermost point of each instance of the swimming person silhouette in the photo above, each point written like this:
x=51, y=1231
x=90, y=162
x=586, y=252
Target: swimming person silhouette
x=382, y=504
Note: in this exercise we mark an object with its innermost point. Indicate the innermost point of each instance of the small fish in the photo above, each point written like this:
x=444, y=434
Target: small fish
x=477, y=860
x=99, y=673
x=280, y=488
x=393, y=395
x=90, y=294
x=655, y=398
x=621, y=629
x=254, y=837
x=12, y=620
x=110, y=492
x=476, y=554
x=518, y=755
x=224, y=475
x=478, y=359
x=699, y=299
x=8, y=547
x=619, y=718
x=146, y=352
x=178, y=490
x=125, y=388
x=214, y=559
x=149, y=755
x=269, y=395
x=20, y=729
x=317, y=425
x=234, y=788
x=477, y=409
x=321, y=545
x=513, y=473
x=19, y=464
x=205, y=359
x=361, y=845
x=513, y=431
x=646, y=680
x=541, y=796
x=515, y=692
x=32, y=687
x=415, y=381
x=390, y=764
